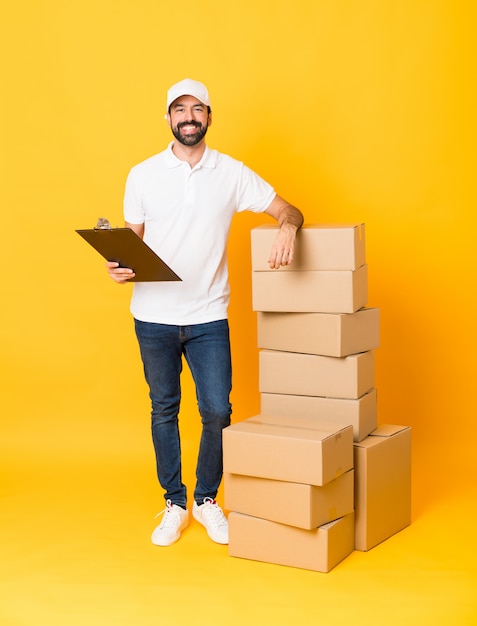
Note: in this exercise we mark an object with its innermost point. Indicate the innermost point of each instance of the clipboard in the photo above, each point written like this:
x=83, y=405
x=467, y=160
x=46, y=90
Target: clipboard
x=123, y=246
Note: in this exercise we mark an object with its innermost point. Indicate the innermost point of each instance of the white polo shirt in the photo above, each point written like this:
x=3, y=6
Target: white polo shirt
x=187, y=215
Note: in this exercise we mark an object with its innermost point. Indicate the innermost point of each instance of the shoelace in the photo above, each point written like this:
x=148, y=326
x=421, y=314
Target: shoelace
x=171, y=516
x=214, y=513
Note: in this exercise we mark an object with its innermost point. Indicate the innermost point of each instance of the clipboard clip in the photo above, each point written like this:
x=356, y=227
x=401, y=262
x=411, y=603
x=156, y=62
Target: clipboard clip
x=103, y=224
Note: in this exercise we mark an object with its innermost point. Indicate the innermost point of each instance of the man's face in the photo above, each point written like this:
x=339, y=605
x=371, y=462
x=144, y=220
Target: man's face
x=189, y=119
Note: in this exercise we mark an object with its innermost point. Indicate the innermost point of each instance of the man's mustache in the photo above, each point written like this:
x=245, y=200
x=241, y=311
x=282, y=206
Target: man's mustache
x=191, y=123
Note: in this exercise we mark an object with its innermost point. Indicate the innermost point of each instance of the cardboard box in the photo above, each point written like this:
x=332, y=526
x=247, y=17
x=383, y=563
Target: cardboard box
x=382, y=485
x=361, y=413
x=327, y=334
x=315, y=375
x=318, y=247
x=295, y=504
x=310, y=292
x=319, y=550
x=300, y=450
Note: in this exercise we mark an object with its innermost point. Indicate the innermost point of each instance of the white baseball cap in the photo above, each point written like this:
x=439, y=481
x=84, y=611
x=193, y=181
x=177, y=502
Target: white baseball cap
x=188, y=87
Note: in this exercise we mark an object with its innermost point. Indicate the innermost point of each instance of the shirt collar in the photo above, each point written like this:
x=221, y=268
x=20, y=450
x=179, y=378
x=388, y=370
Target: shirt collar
x=208, y=160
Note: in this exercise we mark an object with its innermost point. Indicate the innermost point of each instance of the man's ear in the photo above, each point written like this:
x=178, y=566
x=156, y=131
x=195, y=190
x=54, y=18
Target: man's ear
x=209, y=121
x=167, y=117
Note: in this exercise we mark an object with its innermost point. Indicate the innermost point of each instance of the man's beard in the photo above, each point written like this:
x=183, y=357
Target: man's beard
x=189, y=140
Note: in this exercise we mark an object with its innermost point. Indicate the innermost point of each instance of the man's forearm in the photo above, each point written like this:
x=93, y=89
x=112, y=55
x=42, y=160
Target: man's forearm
x=290, y=215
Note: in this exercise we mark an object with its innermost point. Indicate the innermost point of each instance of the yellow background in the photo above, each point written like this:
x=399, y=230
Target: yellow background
x=356, y=111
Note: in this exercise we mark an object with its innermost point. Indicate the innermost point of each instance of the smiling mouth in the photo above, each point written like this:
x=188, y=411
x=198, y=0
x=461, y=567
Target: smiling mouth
x=188, y=127
x=189, y=130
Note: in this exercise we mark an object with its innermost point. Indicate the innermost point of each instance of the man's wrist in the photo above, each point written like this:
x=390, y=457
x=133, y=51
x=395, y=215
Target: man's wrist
x=290, y=216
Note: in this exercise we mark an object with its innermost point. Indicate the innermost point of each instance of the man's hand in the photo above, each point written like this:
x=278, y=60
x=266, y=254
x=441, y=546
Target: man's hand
x=283, y=247
x=120, y=275
x=290, y=219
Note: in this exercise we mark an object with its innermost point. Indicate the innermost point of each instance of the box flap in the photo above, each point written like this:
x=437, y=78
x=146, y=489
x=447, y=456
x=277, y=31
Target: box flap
x=285, y=430
x=383, y=431
x=387, y=430
x=313, y=226
x=323, y=428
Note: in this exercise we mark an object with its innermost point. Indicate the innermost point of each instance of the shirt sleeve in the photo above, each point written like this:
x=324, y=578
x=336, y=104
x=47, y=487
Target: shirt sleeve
x=133, y=210
x=255, y=194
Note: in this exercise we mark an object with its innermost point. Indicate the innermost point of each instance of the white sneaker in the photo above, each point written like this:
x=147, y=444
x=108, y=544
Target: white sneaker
x=173, y=523
x=212, y=517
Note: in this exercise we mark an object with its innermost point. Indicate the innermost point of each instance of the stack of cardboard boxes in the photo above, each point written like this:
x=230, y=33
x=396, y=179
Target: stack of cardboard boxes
x=313, y=476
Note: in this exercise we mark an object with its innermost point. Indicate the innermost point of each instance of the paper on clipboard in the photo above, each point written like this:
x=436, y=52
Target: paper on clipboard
x=129, y=250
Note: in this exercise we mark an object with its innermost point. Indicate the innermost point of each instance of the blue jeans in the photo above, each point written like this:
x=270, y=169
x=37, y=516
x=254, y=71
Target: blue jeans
x=206, y=348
